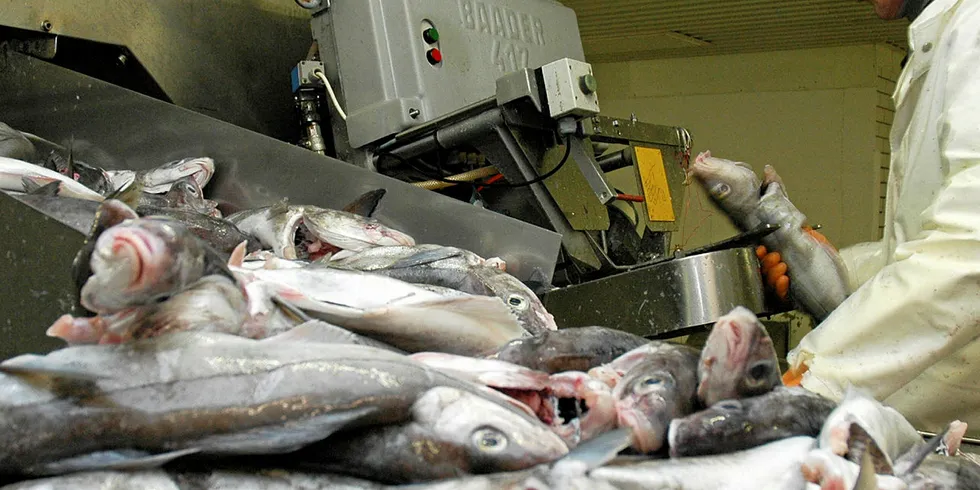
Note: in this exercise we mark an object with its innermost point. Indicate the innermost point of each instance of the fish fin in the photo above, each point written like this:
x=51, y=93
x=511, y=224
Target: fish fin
x=311, y=331
x=595, y=452
x=237, y=258
x=32, y=186
x=366, y=204
x=860, y=443
x=281, y=207
x=292, y=311
x=121, y=460
x=36, y=367
x=282, y=438
x=866, y=479
x=426, y=257
x=910, y=461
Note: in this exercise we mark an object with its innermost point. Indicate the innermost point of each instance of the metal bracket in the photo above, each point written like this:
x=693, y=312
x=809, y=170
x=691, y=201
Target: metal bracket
x=590, y=169
x=39, y=47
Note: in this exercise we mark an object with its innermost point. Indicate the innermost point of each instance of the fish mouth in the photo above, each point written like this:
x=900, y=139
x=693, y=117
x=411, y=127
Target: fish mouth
x=141, y=248
x=308, y=246
x=646, y=437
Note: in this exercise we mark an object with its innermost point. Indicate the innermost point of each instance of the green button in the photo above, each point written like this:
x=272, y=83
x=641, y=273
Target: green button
x=431, y=35
x=589, y=84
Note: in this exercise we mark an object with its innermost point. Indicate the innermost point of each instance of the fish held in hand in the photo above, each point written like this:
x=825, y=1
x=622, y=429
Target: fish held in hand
x=819, y=277
x=569, y=349
x=733, y=425
x=451, y=433
x=738, y=359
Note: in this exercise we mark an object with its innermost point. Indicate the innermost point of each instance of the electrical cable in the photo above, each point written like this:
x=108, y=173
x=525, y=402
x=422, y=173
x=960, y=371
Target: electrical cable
x=333, y=97
x=463, y=178
x=541, y=178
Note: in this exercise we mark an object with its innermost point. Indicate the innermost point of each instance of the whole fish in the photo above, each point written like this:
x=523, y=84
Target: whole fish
x=574, y=406
x=13, y=144
x=160, y=179
x=738, y=359
x=773, y=466
x=142, y=260
x=654, y=392
x=146, y=402
x=308, y=232
x=821, y=277
x=392, y=311
x=453, y=268
x=212, y=304
x=265, y=479
x=732, y=425
x=77, y=214
x=451, y=433
x=220, y=233
x=569, y=349
x=14, y=173
x=890, y=430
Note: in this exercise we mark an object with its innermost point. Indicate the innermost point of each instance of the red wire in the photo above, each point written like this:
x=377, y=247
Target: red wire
x=490, y=181
x=630, y=197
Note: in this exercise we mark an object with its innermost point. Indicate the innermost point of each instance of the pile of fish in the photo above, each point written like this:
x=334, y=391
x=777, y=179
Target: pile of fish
x=296, y=347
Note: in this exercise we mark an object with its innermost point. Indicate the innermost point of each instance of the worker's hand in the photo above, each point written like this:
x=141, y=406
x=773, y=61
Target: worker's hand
x=774, y=270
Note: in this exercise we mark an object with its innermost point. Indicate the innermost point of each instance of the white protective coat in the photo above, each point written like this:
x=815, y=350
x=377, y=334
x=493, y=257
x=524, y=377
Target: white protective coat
x=909, y=334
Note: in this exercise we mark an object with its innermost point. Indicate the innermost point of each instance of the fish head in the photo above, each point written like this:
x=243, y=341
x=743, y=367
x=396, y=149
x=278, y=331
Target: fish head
x=701, y=432
x=530, y=311
x=650, y=395
x=136, y=260
x=185, y=192
x=160, y=179
x=733, y=186
x=738, y=359
x=493, y=437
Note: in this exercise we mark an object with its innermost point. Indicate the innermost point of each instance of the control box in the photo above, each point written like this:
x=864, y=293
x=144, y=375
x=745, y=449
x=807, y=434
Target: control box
x=400, y=63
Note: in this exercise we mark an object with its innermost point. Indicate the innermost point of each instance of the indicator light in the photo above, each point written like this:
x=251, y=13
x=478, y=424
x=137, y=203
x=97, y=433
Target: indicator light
x=434, y=56
x=431, y=35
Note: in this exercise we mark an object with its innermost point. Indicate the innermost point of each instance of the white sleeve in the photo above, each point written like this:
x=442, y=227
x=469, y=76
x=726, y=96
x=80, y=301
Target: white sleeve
x=863, y=261
x=925, y=305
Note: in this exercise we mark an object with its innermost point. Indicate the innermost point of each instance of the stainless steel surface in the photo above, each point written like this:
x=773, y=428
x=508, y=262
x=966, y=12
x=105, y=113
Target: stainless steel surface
x=566, y=88
x=666, y=297
x=518, y=85
x=585, y=161
x=374, y=50
x=36, y=257
x=228, y=59
x=117, y=128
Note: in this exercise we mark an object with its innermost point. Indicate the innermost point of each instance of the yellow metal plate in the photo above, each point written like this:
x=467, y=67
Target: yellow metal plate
x=653, y=177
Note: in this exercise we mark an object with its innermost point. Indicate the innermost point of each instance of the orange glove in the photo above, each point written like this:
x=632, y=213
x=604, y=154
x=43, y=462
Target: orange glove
x=774, y=270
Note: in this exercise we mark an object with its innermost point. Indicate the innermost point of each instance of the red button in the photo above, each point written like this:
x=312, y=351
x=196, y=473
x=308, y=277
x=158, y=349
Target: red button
x=434, y=56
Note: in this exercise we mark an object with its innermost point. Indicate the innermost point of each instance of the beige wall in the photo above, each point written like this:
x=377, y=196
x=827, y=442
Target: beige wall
x=812, y=114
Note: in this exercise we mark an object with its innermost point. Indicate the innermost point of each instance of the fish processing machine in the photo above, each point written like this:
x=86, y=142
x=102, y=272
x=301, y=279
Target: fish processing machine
x=421, y=97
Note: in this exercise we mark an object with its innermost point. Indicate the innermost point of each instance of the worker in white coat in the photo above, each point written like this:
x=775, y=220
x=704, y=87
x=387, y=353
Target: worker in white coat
x=910, y=331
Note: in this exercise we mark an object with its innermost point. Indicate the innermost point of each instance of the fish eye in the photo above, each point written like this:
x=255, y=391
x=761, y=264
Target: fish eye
x=489, y=440
x=760, y=371
x=730, y=405
x=516, y=301
x=652, y=381
x=721, y=190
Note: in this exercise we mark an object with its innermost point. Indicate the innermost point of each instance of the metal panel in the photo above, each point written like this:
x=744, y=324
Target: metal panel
x=667, y=297
x=36, y=252
x=228, y=59
x=117, y=128
x=381, y=63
